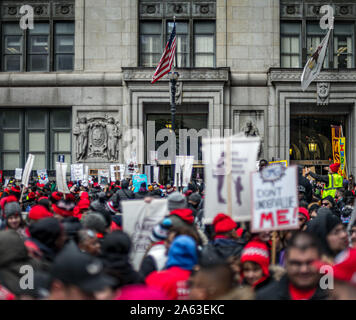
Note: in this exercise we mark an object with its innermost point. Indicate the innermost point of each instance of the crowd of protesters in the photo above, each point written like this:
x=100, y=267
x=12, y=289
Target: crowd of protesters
x=77, y=249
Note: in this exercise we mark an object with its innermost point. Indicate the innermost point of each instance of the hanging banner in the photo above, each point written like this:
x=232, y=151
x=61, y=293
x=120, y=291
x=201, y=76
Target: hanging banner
x=77, y=172
x=335, y=135
x=228, y=164
x=156, y=174
x=117, y=172
x=139, y=218
x=183, y=170
x=342, y=152
x=274, y=199
x=103, y=177
x=18, y=173
x=61, y=179
x=42, y=176
x=27, y=171
x=137, y=180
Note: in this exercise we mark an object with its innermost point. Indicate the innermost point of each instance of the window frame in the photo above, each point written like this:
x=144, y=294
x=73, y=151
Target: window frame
x=304, y=21
x=24, y=131
x=25, y=45
x=164, y=37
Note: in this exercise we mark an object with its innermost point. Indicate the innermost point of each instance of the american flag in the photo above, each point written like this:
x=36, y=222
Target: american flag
x=165, y=64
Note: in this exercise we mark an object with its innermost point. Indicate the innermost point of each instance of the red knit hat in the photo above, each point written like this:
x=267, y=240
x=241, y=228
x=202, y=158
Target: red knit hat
x=7, y=200
x=223, y=223
x=42, y=198
x=39, y=212
x=63, y=209
x=31, y=195
x=335, y=167
x=184, y=214
x=304, y=212
x=84, y=195
x=57, y=195
x=345, y=266
x=256, y=251
x=40, y=185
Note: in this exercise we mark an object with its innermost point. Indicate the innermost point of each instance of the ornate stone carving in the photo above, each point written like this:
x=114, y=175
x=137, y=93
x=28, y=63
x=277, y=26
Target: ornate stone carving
x=206, y=9
x=153, y=9
x=179, y=92
x=323, y=90
x=294, y=76
x=12, y=10
x=213, y=74
x=64, y=9
x=180, y=9
x=97, y=137
x=291, y=10
x=251, y=130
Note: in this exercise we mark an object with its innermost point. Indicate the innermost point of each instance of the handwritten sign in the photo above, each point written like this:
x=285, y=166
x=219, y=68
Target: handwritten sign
x=274, y=199
x=18, y=173
x=139, y=218
x=137, y=180
x=42, y=176
x=77, y=172
x=103, y=177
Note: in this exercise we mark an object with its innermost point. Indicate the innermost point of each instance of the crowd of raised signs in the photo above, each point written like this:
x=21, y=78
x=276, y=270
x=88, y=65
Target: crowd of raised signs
x=72, y=246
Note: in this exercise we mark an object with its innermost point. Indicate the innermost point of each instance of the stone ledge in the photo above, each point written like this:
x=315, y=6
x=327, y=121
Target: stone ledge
x=57, y=79
x=294, y=75
x=194, y=74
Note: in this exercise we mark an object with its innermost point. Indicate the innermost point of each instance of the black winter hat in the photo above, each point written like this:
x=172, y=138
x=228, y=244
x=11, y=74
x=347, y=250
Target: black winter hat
x=12, y=208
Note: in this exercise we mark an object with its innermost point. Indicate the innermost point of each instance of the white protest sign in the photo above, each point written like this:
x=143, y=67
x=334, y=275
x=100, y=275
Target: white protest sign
x=117, y=172
x=139, y=218
x=61, y=171
x=42, y=176
x=228, y=164
x=86, y=176
x=178, y=174
x=274, y=203
x=187, y=170
x=77, y=172
x=103, y=177
x=156, y=174
x=6, y=182
x=27, y=170
x=18, y=173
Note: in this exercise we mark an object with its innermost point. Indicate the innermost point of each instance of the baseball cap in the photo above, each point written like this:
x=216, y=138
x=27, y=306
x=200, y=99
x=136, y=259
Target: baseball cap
x=80, y=269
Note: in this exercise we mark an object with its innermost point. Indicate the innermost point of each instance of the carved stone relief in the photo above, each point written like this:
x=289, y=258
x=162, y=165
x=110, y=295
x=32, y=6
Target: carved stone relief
x=323, y=90
x=97, y=137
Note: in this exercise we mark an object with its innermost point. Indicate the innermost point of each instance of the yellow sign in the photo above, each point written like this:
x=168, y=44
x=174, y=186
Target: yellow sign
x=280, y=162
x=342, y=153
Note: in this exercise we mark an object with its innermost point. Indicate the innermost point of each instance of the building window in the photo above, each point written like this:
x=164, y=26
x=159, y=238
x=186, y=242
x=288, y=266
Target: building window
x=150, y=43
x=343, y=45
x=195, y=42
x=182, y=42
x=314, y=37
x=32, y=50
x=204, y=44
x=290, y=45
x=44, y=133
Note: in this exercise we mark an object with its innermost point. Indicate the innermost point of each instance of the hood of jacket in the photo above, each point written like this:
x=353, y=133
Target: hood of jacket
x=182, y=253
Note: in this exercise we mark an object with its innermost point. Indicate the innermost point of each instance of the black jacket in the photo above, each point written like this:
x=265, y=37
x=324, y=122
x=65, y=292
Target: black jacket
x=125, y=194
x=278, y=290
x=220, y=250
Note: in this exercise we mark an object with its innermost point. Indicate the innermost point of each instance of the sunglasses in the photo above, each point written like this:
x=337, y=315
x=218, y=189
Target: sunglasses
x=325, y=204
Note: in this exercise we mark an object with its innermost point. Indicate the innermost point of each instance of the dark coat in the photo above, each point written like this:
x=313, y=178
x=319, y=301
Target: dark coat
x=220, y=250
x=125, y=194
x=278, y=290
x=13, y=255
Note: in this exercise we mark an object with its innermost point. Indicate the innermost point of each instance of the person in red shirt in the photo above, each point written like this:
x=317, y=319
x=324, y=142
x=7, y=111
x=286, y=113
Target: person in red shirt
x=182, y=257
x=301, y=281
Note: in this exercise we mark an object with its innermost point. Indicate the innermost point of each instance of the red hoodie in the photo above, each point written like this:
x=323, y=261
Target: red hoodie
x=172, y=281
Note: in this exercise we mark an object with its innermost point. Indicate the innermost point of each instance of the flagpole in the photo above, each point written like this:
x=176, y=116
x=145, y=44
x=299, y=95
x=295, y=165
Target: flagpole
x=173, y=76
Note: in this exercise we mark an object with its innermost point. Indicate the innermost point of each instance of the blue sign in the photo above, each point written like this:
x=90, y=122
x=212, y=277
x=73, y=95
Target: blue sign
x=61, y=158
x=137, y=180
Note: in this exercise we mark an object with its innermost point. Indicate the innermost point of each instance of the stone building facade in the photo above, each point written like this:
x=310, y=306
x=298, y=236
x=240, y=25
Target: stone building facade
x=237, y=64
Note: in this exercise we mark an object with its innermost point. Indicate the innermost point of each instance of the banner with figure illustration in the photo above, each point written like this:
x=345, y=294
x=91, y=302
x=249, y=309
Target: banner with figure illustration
x=42, y=176
x=228, y=164
x=139, y=218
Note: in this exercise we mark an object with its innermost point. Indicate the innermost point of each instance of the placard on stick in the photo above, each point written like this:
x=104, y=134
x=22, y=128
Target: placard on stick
x=274, y=199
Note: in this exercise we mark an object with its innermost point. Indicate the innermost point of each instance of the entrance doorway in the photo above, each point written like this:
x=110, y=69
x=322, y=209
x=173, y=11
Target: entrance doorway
x=310, y=138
